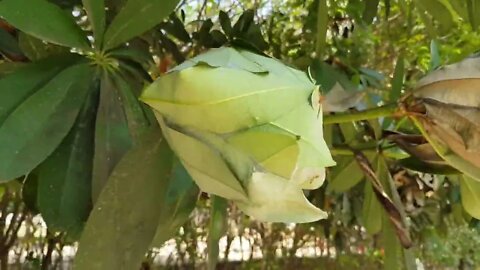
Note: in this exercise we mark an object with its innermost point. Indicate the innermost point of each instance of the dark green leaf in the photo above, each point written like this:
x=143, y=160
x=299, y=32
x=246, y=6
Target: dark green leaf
x=140, y=56
x=135, y=18
x=35, y=49
x=225, y=22
x=418, y=165
x=29, y=192
x=327, y=76
x=136, y=119
x=7, y=68
x=219, y=38
x=204, y=33
x=181, y=198
x=124, y=219
x=96, y=14
x=370, y=11
x=8, y=44
x=19, y=85
x=176, y=28
x=216, y=228
x=243, y=22
x=40, y=123
x=255, y=37
x=65, y=178
x=387, y=9
x=44, y=20
x=112, y=138
x=397, y=81
x=322, y=28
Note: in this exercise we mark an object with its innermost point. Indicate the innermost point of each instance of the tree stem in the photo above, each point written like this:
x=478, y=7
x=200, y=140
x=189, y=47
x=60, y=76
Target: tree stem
x=382, y=111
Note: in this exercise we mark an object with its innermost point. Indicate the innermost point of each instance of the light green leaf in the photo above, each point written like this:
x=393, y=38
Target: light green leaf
x=135, y=18
x=276, y=199
x=126, y=214
x=346, y=177
x=54, y=109
x=372, y=211
x=195, y=97
x=206, y=166
x=278, y=152
x=96, y=14
x=112, y=138
x=64, y=185
x=470, y=194
x=225, y=58
x=19, y=85
x=44, y=20
x=180, y=201
x=440, y=11
x=216, y=229
x=227, y=110
x=473, y=7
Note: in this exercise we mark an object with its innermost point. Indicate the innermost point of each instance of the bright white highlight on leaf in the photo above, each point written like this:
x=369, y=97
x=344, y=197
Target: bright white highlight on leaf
x=247, y=128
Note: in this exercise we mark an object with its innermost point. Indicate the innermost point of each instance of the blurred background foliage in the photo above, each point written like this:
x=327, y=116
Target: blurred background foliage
x=364, y=54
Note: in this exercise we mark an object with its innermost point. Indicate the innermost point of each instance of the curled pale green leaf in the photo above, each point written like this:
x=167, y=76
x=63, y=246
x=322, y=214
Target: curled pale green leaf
x=276, y=199
x=244, y=125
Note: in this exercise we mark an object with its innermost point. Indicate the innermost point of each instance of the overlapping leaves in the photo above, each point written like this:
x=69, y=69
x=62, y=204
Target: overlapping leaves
x=75, y=124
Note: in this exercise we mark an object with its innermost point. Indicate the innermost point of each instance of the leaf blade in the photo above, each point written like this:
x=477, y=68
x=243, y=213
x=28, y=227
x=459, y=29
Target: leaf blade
x=135, y=18
x=45, y=21
x=216, y=229
x=96, y=14
x=64, y=185
x=112, y=139
x=127, y=228
x=180, y=201
x=55, y=108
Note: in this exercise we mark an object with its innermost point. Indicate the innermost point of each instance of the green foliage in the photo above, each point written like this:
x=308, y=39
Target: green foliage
x=73, y=128
x=135, y=18
x=96, y=14
x=178, y=205
x=45, y=21
x=126, y=213
x=65, y=177
x=216, y=229
x=55, y=107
